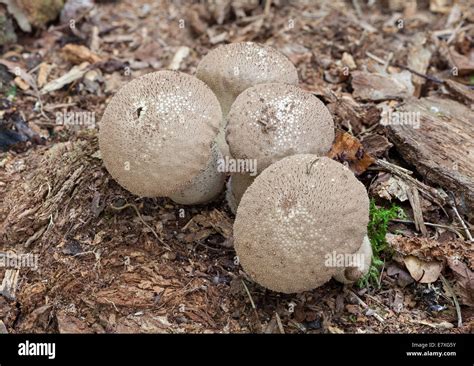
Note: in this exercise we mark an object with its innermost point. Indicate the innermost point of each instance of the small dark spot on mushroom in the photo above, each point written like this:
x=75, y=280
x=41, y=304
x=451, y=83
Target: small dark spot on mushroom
x=138, y=112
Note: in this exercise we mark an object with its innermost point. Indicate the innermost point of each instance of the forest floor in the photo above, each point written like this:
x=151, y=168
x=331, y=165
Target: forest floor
x=111, y=262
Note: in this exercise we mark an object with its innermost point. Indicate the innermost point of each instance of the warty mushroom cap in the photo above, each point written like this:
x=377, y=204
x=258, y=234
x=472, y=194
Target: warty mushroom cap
x=268, y=122
x=297, y=212
x=156, y=132
x=204, y=187
x=232, y=68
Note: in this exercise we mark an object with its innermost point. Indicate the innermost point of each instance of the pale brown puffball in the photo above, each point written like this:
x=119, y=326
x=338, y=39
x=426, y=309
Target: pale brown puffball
x=297, y=212
x=268, y=122
x=230, y=69
x=156, y=133
x=206, y=186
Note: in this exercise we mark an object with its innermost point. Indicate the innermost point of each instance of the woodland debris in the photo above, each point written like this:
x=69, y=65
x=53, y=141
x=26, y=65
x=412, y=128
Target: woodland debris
x=348, y=150
x=441, y=148
x=74, y=74
x=460, y=92
x=418, y=60
x=421, y=271
x=432, y=250
x=77, y=54
x=464, y=284
x=378, y=87
x=10, y=283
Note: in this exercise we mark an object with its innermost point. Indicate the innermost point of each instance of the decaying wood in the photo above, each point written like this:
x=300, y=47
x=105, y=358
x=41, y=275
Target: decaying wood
x=441, y=148
x=460, y=92
x=9, y=284
x=374, y=86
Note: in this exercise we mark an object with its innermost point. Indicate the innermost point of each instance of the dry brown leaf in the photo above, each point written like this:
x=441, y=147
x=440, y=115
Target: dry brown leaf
x=76, y=54
x=348, y=149
x=431, y=250
x=464, y=286
x=421, y=271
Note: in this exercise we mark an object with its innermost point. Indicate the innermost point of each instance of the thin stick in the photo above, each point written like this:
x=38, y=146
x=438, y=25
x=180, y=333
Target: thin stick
x=365, y=306
x=431, y=224
x=280, y=325
x=463, y=224
x=143, y=221
x=453, y=295
x=250, y=296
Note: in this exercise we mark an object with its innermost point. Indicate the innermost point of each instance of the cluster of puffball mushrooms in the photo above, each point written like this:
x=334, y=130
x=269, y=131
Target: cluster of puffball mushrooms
x=165, y=133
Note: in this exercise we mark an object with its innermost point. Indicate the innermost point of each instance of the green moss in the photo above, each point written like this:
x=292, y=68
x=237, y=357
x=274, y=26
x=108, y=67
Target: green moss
x=377, y=230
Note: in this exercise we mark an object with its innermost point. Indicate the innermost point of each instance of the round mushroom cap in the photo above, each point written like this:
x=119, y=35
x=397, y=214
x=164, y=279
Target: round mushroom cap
x=268, y=122
x=236, y=187
x=232, y=68
x=157, y=131
x=364, y=260
x=297, y=213
x=204, y=187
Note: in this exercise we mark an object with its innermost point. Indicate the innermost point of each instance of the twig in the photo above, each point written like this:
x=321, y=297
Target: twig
x=375, y=58
x=268, y=4
x=430, y=224
x=252, y=303
x=143, y=221
x=402, y=173
x=463, y=224
x=280, y=325
x=453, y=295
x=370, y=311
x=250, y=296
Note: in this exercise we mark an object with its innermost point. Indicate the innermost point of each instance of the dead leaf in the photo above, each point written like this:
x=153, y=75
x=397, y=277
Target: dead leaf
x=421, y=271
x=464, y=286
x=347, y=149
x=77, y=53
x=393, y=187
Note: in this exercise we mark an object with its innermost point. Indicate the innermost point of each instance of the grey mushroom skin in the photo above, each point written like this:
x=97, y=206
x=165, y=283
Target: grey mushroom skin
x=156, y=133
x=353, y=274
x=236, y=187
x=206, y=186
x=298, y=212
x=230, y=69
x=270, y=121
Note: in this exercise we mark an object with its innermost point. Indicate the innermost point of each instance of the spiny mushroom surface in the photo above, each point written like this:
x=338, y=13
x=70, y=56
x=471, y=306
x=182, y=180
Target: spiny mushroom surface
x=354, y=273
x=268, y=122
x=232, y=68
x=157, y=131
x=204, y=187
x=296, y=212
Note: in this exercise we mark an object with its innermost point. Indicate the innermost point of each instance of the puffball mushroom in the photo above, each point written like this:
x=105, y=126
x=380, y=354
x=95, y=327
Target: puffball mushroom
x=204, y=187
x=296, y=213
x=268, y=122
x=232, y=68
x=354, y=273
x=157, y=131
x=236, y=186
